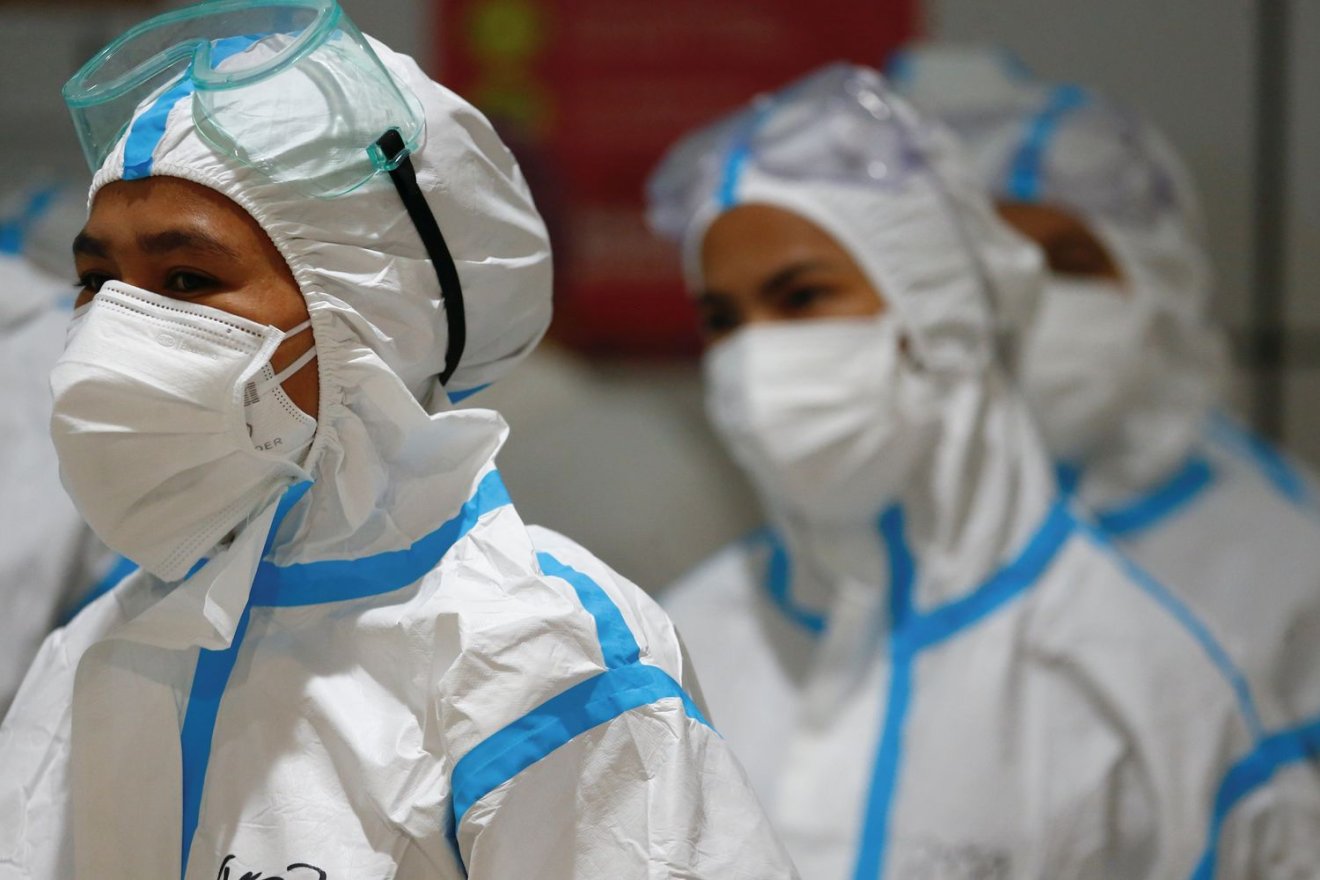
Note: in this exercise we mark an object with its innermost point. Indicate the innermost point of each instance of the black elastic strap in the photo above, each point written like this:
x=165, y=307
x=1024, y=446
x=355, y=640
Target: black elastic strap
x=451, y=289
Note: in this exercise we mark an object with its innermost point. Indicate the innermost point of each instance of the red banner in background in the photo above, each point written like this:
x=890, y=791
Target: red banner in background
x=590, y=93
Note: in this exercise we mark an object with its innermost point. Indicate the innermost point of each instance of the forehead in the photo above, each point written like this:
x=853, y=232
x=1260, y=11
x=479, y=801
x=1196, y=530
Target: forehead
x=125, y=209
x=755, y=239
x=1043, y=222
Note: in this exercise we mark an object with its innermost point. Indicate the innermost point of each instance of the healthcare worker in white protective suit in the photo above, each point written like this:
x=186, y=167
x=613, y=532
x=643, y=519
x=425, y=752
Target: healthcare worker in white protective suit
x=347, y=657
x=1123, y=366
x=50, y=562
x=928, y=664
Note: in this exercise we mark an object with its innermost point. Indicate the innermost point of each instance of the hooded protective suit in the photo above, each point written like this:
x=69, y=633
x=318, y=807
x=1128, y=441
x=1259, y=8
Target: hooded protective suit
x=49, y=558
x=965, y=680
x=1125, y=389
x=381, y=672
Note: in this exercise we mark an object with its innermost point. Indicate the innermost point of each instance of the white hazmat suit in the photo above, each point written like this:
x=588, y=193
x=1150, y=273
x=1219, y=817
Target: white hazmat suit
x=961, y=678
x=1125, y=381
x=381, y=672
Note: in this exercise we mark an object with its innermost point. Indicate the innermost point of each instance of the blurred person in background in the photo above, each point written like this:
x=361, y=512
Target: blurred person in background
x=50, y=562
x=345, y=654
x=1123, y=365
x=930, y=666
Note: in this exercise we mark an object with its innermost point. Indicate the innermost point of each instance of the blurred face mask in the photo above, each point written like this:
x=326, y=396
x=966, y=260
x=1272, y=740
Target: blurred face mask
x=1082, y=362
x=170, y=424
x=824, y=415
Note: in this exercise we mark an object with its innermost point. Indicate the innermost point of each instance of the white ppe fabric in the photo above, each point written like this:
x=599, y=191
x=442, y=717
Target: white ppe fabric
x=1033, y=141
x=150, y=425
x=1083, y=380
x=966, y=681
x=49, y=558
x=384, y=672
x=1227, y=525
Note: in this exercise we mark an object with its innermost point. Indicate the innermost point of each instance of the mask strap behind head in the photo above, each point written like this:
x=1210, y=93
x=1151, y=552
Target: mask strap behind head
x=451, y=289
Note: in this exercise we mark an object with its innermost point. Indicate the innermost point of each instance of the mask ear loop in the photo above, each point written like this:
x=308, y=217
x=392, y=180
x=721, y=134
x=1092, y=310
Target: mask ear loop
x=404, y=176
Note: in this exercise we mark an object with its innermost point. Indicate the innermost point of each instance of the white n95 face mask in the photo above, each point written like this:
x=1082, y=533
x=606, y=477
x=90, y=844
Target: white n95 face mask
x=826, y=416
x=1083, y=361
x=170, y=424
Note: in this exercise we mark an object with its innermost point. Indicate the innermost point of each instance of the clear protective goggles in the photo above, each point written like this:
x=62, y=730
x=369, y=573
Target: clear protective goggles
x=289, y=87
x=838, y=125
x=1079, y=153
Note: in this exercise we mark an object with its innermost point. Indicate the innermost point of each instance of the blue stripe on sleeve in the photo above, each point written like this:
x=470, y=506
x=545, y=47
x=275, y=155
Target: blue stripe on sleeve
x=554, y=723
x=617, y=644
x=1252, y=772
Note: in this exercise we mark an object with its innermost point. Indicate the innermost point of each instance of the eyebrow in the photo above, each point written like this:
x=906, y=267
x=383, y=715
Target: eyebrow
x=86, y=244
x=781, y=279
x=165, y=242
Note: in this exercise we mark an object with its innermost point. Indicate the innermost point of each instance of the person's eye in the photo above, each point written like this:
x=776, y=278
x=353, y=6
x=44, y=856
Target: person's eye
x=1079, y=258
x=186, y=282
x=92, y=281
x=804, y=298
x=718, y=322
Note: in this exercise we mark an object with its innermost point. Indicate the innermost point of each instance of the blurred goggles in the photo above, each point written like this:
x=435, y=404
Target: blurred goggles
x=289, y=87
x=1083, y=154
x=839, y=125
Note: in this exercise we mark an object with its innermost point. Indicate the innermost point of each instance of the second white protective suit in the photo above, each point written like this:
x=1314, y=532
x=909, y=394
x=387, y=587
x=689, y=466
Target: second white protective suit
x=929, y=663
x=1125, y=381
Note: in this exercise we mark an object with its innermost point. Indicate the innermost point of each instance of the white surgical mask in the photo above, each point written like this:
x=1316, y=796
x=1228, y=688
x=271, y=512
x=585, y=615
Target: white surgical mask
x=1083, y=361
x=155, y=442
x=826, y=416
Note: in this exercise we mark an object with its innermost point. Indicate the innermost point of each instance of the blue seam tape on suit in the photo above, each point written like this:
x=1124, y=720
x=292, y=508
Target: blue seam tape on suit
x=778, y=583
x=1026, y=173
x=593, y=702
x=914, y=632
x=149, y=127
x=1152, y=508
x=1249, y=774
x=300, y=585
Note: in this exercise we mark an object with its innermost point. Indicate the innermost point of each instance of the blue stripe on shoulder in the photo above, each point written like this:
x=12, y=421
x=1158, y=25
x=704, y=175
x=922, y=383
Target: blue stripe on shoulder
x=617, y=644
x=1193, y=624
x=1160, y=503
x=1252, y=772
x=341, y=580
x=915, y=631
x=1273, y=464
x=593, y=702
